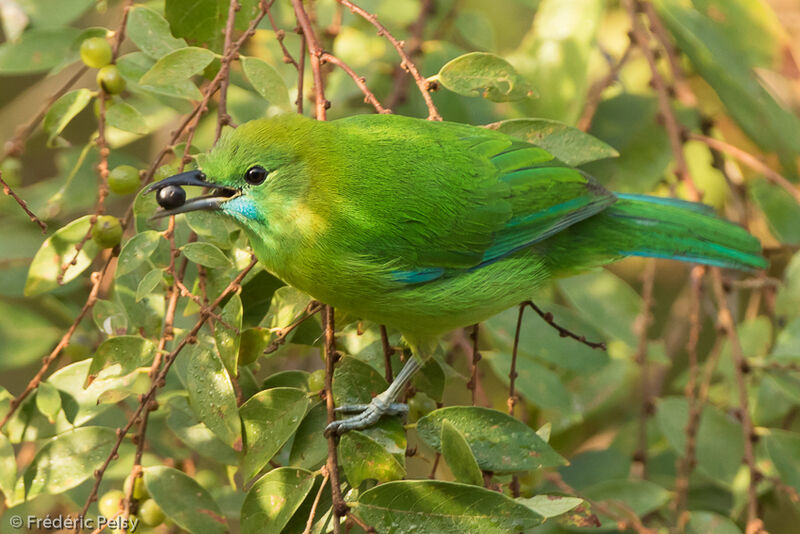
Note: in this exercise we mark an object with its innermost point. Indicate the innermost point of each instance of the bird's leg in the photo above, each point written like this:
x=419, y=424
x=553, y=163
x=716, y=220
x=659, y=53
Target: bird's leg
x=383, y=404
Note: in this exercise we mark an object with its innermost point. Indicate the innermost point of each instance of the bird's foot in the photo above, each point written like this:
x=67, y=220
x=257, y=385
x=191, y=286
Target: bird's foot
x=367, y=415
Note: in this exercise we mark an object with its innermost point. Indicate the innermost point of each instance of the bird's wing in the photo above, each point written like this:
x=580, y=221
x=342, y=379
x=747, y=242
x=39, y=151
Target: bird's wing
x=483, y=197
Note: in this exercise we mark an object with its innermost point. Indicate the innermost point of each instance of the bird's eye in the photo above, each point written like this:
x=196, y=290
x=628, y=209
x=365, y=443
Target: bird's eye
x=255, y=175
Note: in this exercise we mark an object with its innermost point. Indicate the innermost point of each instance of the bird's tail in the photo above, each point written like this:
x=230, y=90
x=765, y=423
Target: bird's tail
x=641, y=225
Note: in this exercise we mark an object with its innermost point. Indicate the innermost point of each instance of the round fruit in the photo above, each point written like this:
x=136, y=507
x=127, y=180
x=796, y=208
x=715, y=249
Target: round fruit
x=96, y=52
x=123, y=180
x=109, y=504
x=111, y=80
x=171, y=197
x=11, y=169
x=140, y=492
x=151, y=513
x=316, y=380
x=107, y=231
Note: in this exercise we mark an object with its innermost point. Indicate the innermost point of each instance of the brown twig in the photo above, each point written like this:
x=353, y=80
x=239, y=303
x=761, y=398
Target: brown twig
x=314, y=52
x=388, y=350
x=675, y=130
x=223, y=118
x=22, y=204
x=563, y=332
x=358, y=521
x=643, y=321
x=406, y=63
x=313, y=513
x=399, y=85
x=596, y=91
x=728, y=324
x=311, y=309
x=751, y=161
x=369, y=96
x=340, y=508
x=473, y=384
x=512, y=373
x=683, y=91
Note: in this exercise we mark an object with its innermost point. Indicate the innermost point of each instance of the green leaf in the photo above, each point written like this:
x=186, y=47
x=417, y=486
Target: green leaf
x=535, y=382
x=570, y=145
x=551, y=505
x=499, y=442
x=125, y=117
x=227, y=339
x=63, y=111
x=47, y=14
x=149, y=282
x=606, y=301
x=8, y=468
x=150, y=32
x=780, y=209
x=205, y=254
x=270, y=418
x=309, y=447
x=641, y=496
x=180, y=64
x=48, y=400
x=136, y=251
x=486, y=75
x=783, y=448
x=37, y=51
x=211, y=392
x=203, y=21
x=274, y=498
x=26, y=335
x=787, y=302
x=136, y=64
x=110, y=318
x=458, y=456
x=184, y=501
x=57, y=250
x=266, y=80
x=476, y=28
x=436, y=506
x=195, y=434
x=710, y=523
x=363, y=458
x=67, y=460
x=721, y=464
x=120, y=355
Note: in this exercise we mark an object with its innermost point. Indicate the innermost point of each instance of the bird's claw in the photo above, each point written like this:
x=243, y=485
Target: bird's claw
x=367, y=415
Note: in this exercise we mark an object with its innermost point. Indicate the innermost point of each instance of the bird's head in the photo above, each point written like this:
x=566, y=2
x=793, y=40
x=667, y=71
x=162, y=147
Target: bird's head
x=252, y=173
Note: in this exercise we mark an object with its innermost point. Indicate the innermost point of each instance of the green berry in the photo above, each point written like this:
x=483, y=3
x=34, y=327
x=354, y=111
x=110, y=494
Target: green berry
x=107, y=231
x=11, y=169
x=123, y=180
x=95, y=52
x=109, y=504
x=111, y=80
x=316, y=380
x=140, y=492
x=151, y=513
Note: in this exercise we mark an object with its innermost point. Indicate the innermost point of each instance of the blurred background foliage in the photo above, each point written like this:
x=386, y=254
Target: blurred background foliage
x=619, y=416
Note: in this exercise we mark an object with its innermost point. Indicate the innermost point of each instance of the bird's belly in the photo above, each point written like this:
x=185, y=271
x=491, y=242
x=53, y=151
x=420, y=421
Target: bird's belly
x=429, y=308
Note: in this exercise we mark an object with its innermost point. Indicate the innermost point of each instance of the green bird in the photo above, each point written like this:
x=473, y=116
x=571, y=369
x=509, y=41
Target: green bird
x=430, y=226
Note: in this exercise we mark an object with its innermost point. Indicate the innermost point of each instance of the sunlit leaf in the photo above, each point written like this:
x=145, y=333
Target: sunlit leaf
x=363, y=458
x=266, y=80
x=63, y=111
x=126, y=117
x=177, y=65
x=184, y=501
x=486, y=75
x=273, y=499
x=150, y=32
x=123, y=354
x=458, y=456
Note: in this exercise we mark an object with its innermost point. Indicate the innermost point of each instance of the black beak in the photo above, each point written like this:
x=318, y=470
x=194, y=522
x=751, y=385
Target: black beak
x=172, y=198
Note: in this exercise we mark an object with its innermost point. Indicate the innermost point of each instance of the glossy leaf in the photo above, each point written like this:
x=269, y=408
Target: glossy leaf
x=266, y=80
x=458, y=456
x=149, y=282
x=310, y=447
x=197, y=436
x=184, y=501
x=48, y=400
x=211, y=392
x=710, y=523
x=551, y=505
x=436, y=506
x=120, y=355
x=63, y=111
x=363, y=458
x=569, y=144
x=58, y=250
x=783, y=448
x=67, y=460
x=270, y=418
x=499, y=442
x=150, y=32
x=8, y=467
x=126, y=117
x=136, y=251
x=486, y=75
x=273, y=499
x=179, y=64
x=203, y=21
x=227, y=340
x=205, y=254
